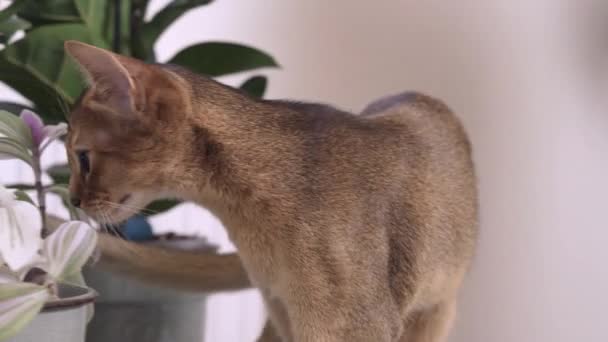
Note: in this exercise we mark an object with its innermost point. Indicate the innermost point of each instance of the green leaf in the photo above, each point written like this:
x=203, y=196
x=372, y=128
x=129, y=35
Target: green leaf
x=21, y=186
x=23, y=196
x=125, y=26
x=98, y=16
x=15, y=6
x=42, y=54
x=14, y=108
x=94, y=13
x=10, y=26
x=41, y=12
x=62, y=191
x=10, y=148
x=255, y=86
x=60, y=173
x=159, y=206
x=217, y=59
x=165, y=17
x=38, y=68
x=52, y=104
x=19, y=304
x=14, y=128
x=140, y=48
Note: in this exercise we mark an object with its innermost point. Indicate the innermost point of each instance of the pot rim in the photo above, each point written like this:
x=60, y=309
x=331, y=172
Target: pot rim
x=83, y=295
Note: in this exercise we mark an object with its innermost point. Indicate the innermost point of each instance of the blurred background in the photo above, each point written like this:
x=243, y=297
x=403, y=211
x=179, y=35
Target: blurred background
x=529, y=79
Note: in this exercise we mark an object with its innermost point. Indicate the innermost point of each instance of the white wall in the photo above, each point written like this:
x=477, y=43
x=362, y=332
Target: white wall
x=529, y=80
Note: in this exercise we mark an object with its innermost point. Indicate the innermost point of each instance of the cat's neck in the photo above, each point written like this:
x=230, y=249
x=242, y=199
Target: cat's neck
x=239, y=152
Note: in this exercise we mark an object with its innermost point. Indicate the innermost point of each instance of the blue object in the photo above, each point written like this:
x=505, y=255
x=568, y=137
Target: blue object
x=137, y=228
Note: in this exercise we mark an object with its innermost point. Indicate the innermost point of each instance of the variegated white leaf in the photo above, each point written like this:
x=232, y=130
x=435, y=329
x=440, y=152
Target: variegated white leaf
x=7, y=197
x=20, y=240
x=69, y=248
x=11, y=149
x=19, y=304
x=6, y=275
x=13, y=127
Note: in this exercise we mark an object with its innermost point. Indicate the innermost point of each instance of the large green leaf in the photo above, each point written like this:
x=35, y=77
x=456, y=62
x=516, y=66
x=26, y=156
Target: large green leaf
x=255, y=86
x=38, y=68
x=125, y=27
x=140, y=48
x=94, y=13
x=10, y=26
x=13, y=107
x=50, y=102
x=165, y=17
x=13, y=8
x=46, y=11
x=99, y=17
x=159, y=206
x=218, y=58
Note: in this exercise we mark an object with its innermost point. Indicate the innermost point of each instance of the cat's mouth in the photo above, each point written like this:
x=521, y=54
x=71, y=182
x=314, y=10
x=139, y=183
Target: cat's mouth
x=116, y=213
x=124, y=199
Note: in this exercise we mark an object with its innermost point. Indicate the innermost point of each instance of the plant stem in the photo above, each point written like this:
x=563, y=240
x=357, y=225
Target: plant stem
x=138, y=46
x=117, y=31
x=39, y=189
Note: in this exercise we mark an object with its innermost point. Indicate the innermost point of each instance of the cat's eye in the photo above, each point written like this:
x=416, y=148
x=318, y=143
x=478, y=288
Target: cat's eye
x=83, y=160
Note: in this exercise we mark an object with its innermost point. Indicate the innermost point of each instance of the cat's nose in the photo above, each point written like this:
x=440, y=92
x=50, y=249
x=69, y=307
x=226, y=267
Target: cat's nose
x=75, y=201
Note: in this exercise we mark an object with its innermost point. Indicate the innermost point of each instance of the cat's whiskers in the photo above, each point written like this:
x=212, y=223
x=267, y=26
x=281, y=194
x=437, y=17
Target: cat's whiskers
x=106, y=223
x=133, y=208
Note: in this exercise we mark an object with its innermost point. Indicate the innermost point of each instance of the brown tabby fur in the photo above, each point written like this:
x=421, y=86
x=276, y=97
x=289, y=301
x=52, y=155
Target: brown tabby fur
x=354, y=228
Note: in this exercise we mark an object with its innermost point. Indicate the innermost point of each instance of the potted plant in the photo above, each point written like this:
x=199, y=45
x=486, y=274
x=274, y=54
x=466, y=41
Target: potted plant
x=42, y=292
x=37, y=67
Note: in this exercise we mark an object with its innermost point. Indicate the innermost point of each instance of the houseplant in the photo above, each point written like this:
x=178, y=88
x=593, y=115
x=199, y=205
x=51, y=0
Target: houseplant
x=37, y=68
x=42, y=292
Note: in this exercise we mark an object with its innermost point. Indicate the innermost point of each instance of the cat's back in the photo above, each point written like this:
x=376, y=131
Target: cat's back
x=400, y=174
x=424, y=119
x=435, y=157
x=433, y=188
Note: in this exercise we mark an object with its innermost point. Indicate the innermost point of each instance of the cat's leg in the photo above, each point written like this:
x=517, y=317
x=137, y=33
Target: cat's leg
x=431, y=325
x=365, y=330
x=269, y=334
x=345, y=321
x=279, y=323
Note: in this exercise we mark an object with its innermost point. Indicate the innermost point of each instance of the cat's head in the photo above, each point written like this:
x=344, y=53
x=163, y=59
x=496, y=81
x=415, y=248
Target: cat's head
x=124, y=133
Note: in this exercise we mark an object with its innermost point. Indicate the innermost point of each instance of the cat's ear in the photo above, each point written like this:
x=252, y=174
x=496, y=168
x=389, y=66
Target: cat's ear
x=108, y=74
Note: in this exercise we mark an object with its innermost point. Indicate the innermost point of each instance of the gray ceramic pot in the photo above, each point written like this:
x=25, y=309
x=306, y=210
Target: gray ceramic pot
x=128, y=310
x=61, y=320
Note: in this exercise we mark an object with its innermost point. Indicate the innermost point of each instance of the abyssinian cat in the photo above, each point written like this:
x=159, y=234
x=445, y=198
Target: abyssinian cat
x=354, y=228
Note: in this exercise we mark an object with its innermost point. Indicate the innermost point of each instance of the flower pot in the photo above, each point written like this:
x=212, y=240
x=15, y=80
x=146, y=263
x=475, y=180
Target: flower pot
x=129, y=310
x=61, y=320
